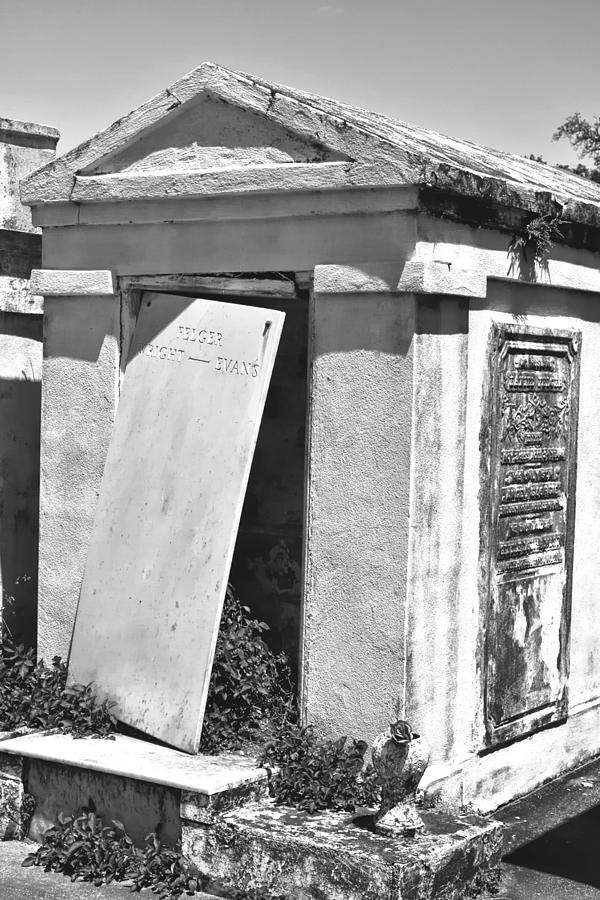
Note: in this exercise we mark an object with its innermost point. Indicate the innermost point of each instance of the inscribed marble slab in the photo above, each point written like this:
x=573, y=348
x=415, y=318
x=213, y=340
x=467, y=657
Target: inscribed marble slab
x=533, y=452
x=169, y=508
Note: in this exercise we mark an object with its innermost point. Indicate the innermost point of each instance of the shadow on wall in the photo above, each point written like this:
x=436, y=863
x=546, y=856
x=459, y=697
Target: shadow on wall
x=20, y=409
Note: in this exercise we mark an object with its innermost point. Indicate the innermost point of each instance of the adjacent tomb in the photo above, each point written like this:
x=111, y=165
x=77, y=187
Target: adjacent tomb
x=24, y=146
x=421, y=516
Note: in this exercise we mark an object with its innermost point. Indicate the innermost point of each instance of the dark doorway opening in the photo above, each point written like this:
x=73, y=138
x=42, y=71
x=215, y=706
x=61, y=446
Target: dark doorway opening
x=267, y=563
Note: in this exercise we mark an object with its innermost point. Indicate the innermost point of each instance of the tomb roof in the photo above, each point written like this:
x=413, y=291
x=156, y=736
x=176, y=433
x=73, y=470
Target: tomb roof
x=15, y=131
x=346, y=145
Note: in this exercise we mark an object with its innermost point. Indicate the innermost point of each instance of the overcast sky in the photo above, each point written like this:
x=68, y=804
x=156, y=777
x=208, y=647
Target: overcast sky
x=504, y=74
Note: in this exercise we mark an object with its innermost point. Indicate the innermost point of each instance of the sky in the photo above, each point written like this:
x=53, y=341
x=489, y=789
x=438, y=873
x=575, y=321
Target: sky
x=503, y=74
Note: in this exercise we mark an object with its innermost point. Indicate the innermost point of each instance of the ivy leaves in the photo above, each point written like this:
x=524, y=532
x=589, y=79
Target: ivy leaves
x=36, y=696
x=316, y=775
x=250, y=687
x=85, y=849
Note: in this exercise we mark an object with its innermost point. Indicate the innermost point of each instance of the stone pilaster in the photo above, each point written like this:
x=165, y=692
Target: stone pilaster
x=79, y=397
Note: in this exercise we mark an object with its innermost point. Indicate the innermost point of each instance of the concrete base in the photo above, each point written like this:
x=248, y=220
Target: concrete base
x=218, y=808
x=277, y=851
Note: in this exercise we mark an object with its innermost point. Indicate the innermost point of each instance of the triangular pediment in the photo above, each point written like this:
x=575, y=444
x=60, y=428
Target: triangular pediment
x=209, y=133
x=212, y=119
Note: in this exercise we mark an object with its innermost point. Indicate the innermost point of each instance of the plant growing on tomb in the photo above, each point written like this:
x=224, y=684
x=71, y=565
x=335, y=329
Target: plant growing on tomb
x=37, y=696
x=250, y=691
x=250, y=701
x=316, y=775
x=84, y=848
x=536, y=240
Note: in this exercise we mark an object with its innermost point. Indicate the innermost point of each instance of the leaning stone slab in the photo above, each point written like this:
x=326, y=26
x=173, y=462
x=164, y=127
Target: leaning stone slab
x=276, y=850
x=169, y=508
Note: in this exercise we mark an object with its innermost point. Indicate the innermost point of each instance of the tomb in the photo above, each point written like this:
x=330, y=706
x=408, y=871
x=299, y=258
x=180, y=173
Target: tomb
x=24, y=146
x=421, y=516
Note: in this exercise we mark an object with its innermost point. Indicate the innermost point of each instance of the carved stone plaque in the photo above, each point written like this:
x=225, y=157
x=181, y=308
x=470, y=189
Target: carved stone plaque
x=532, y=440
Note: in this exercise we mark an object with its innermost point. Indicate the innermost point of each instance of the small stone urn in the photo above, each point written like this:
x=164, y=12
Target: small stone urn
x=400, y=758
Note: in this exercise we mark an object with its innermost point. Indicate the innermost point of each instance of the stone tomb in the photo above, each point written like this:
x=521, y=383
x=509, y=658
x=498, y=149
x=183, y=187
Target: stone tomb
x=435, y=536
x=532, y=450
x=169, y=508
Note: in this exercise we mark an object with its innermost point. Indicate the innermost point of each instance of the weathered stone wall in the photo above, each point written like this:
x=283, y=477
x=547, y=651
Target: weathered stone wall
x=447, y=623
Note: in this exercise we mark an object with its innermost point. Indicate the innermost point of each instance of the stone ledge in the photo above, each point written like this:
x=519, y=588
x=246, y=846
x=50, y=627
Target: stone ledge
x=28, y=133
x=281, y=851
x=429, y=276
x=142, y=761
x=75, y=283
x=16, y=297
x=440, y=277
x=16, y=732
x=142, y=784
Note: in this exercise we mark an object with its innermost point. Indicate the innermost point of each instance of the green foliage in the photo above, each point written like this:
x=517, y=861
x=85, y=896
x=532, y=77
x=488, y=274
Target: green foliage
x=250, y=701
x=36, y=696
x=315, y=775
x=537, y=238
x=250, y=691
x=85, y=849
x=584, y=137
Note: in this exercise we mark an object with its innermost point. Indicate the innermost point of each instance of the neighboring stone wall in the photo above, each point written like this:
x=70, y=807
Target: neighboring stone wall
x=20, y=412
x=23, y=147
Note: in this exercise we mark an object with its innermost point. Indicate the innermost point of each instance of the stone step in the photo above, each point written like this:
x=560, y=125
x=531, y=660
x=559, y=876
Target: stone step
x=218, y=807
x=146, y=786
x=277, y=851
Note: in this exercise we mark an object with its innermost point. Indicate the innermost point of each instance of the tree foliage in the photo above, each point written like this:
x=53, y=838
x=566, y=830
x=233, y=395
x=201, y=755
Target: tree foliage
x=584, y=137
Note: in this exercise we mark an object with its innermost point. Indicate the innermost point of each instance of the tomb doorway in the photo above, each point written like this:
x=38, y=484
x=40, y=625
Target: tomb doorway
x=268, y=561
